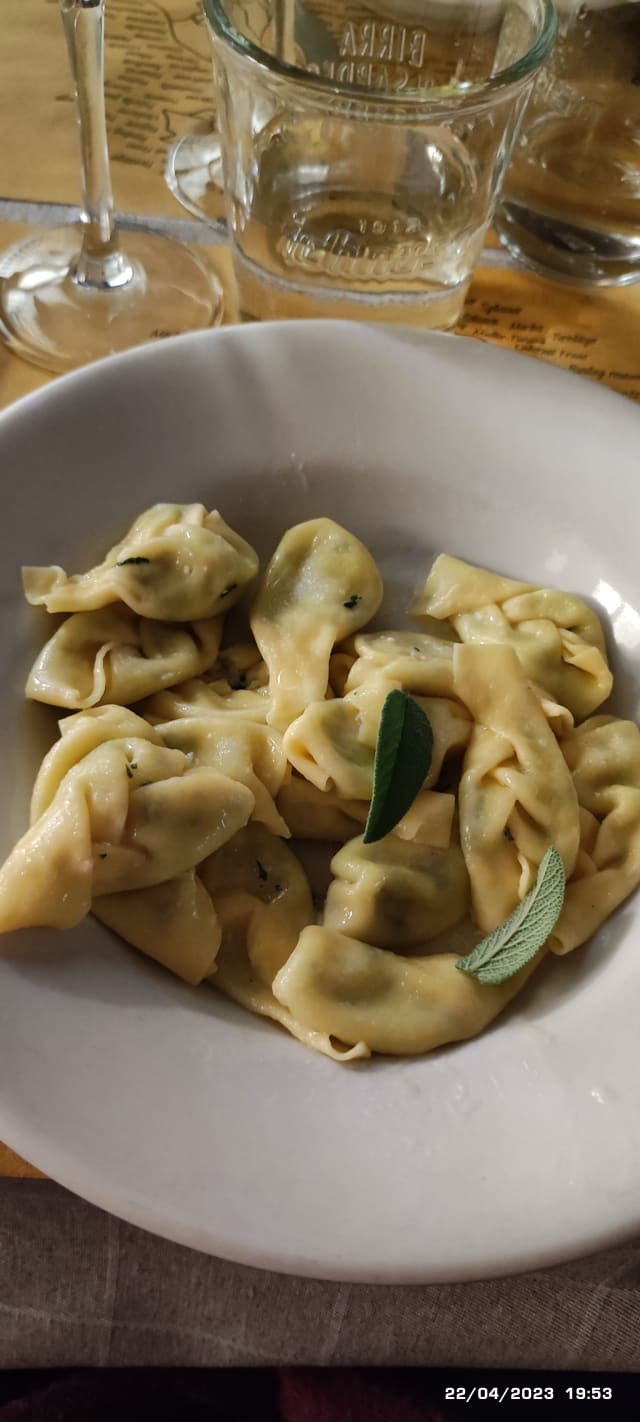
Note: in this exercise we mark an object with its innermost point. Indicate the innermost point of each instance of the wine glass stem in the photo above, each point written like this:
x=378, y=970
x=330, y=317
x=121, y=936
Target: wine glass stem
x=100, y=263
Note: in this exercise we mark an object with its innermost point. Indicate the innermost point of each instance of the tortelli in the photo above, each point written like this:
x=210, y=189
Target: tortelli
x=181, y=802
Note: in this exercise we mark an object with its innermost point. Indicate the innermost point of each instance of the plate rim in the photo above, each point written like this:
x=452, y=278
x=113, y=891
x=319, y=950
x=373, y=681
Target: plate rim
x=59, y=1163
x=216, y=335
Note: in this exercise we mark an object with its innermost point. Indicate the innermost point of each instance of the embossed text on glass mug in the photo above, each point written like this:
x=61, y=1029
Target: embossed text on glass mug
x=376, y=55
x=339, y=253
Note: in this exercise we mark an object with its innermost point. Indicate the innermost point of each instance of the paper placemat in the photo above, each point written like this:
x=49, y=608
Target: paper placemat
x=158, y=86
x=594, y=331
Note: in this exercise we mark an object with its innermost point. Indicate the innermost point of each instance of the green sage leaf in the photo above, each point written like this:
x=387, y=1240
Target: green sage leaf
x=517, y=940
x=403, y=756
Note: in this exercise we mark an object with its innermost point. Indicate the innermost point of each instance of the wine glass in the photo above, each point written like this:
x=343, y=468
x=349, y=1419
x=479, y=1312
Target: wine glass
x=194, y=173
x=71, y=295
x=194, y=162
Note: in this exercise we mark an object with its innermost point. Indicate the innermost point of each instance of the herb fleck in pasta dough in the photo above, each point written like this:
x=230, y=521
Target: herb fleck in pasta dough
x=241, y=667
x=321, y=585
x=177, y=563
x=178, y=802
x=558, y=639
x=115, y=656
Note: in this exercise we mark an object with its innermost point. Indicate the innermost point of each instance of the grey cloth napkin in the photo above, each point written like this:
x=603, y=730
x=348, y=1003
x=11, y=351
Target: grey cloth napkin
x=80, y=1288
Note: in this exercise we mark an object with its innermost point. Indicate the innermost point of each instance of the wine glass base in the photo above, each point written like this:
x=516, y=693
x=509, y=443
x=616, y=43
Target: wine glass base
x=194, y=175
x=51, y=320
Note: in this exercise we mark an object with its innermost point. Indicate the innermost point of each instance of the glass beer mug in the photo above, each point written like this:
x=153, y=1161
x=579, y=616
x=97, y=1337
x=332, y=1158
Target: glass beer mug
x=364, y=146
x=571, y=198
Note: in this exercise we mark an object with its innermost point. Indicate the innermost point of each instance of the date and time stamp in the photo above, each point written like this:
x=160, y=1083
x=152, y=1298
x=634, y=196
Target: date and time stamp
x=553, y=1394
x=508, y=1393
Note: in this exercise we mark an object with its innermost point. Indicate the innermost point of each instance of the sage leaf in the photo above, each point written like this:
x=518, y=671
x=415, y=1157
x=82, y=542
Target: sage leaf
x=403, y=756
x=517, y=940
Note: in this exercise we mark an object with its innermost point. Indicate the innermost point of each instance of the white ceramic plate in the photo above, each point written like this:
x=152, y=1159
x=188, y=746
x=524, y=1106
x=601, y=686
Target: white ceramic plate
x=171, y=1107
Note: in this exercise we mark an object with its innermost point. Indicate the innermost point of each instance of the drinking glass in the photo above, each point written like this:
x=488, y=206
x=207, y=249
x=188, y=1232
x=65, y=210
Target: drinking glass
x=572, y=195
x=364, y=146
x=71, y=295
x=194, y=173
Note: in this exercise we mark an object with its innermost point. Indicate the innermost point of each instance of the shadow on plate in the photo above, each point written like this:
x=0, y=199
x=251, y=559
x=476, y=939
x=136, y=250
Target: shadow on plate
x=107, y=970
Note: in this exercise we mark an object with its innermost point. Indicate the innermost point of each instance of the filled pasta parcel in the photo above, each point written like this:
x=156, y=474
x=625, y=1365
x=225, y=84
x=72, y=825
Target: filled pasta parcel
x=176, y=563
x=370, y=837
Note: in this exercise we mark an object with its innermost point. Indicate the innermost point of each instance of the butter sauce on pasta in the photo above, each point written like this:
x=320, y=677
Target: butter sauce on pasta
x=179, y=800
